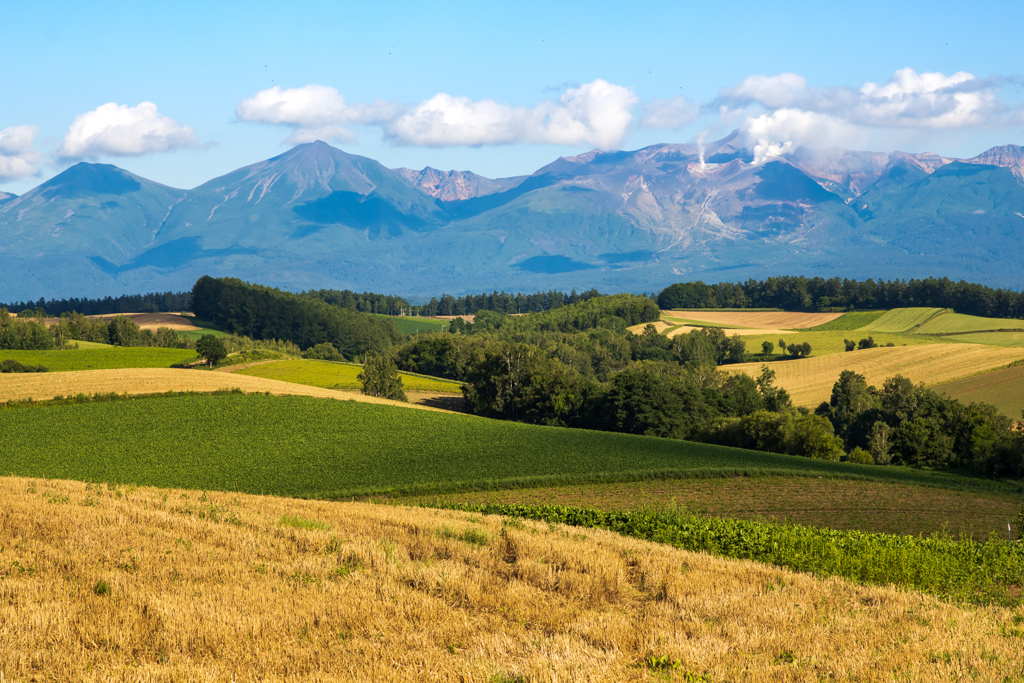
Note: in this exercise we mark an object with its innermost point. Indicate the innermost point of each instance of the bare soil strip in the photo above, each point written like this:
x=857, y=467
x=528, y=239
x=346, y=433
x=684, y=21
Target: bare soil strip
x=46, y=385
x=146, y=584
x=770, y=320
x=809, y=380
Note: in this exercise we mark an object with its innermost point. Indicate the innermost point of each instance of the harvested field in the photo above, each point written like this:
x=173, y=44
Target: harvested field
x=772, y=320
x=41, y=386
x=659, y=325
x=831, y=503
x=810, y=380
x=468, y=317
x=146, y=584
x=1003, y=388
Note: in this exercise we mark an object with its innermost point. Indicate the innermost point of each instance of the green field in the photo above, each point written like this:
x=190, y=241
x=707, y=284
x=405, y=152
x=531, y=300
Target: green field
x=825, y=343
x=208, y=328
x=1013, y=339
x=953, y=323
x=418, y=325
x=102, y=358
x=300, y=446
x=854, y=320
x=319, y=373
x=1002, y=388
x=900, y=320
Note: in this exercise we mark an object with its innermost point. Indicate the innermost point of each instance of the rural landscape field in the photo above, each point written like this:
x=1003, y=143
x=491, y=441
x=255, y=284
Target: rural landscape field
x=547, y=343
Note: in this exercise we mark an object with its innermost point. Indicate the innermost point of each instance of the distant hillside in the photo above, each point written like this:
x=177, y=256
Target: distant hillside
x=317, y=217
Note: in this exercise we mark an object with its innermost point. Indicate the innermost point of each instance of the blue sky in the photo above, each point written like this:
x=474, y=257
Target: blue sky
x=182, y=92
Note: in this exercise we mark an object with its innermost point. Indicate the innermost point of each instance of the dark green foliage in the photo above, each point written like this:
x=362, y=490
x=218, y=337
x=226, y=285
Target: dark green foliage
x=379, y=378
x=767, y=348
x=818, y=294
x=122, y=331
x=154, y=302
x=850, y=344
x=868, y=343
x=211, y=348
x=323, y=351
x=961, y=569
x=11, y=365
x=266, y=313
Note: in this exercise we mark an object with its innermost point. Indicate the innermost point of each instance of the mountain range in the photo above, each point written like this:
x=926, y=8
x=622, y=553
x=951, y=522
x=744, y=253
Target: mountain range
x=318, y=217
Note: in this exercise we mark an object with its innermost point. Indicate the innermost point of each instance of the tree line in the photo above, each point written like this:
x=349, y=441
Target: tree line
x=797, y=293
x=154, y=302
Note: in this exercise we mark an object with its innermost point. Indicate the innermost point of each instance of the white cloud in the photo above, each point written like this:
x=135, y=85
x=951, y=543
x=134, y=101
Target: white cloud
x=771, y=91
x=18, y=156
x=596, y=113
x=119, y=130
x=781, y=112
x=315, y=112
x=671, y=114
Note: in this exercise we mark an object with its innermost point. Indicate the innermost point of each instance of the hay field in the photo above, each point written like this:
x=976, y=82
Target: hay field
x=810, y=380
x=768, y=320
x=328, y=375
x=146, y=584
x=41, y=386
x=1003, y=388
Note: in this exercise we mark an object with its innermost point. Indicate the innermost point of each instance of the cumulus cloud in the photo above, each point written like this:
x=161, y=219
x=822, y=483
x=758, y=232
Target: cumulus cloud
x=596, y=113
x=782, y=112
x=18, y=156
x=315, y=112
x=119, y=130
x=670, y=114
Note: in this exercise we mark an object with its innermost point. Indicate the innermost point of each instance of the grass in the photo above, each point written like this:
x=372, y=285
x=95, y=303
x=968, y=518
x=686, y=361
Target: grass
x=384, y=595
x=832, y=503
x=1009, y=339
x=207, y=328
x=954, y=323
x=853, y=320
x=901, y=320
x=810, y=380
x=1003, y=388
x=318, y=373
x=300, y=446
x=107, y=357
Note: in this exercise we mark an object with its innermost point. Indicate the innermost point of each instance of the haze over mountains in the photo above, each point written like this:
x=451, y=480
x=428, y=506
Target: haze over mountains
x=317, y=217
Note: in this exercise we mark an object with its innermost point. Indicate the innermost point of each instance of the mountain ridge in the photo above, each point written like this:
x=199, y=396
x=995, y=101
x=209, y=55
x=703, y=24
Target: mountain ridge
x=631, y=220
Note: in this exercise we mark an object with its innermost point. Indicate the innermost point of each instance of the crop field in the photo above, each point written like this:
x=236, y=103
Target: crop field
x=853, y=320
x=1003, y=388
x=220, y=586
x=134, y=381
x=318, y=373
x=832, y=503
x=103, y=357
x=901, y=320
x=952, y=323
x=775, y=320
x=300, y=446
x=809, y=380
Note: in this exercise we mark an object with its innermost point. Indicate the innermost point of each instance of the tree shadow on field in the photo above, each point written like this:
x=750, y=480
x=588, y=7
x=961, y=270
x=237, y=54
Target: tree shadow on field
x=453, y=403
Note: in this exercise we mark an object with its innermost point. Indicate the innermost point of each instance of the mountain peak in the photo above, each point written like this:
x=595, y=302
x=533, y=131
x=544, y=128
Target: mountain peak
x=84, y=179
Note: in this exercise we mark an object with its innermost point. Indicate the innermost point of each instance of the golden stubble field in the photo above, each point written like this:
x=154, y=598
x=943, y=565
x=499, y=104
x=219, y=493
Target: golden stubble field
x=770, y=320
x=100, y=584
x=46, y=385
x=809, y=380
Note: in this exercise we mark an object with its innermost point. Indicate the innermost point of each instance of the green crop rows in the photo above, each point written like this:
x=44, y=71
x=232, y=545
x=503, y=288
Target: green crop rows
x=901, y=320
x=960, y=569
x=109, y=357
x=301, y=446
x=854, y=320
